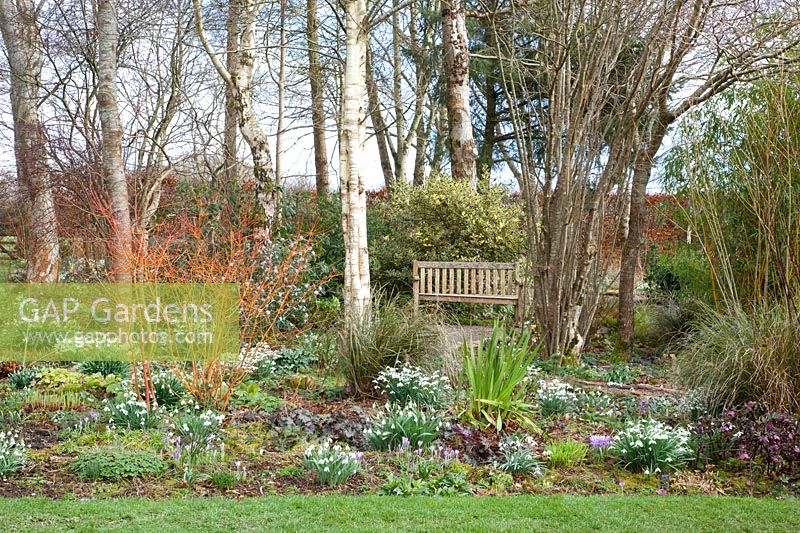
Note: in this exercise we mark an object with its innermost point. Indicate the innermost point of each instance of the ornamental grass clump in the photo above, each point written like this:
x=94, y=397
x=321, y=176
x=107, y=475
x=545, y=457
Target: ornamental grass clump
x=385, y=335
x=408, y=423
x=332, y=464
x=410, y=384
x=652, y=447
x=495, y=373
x=742, y=354
x=13, y=452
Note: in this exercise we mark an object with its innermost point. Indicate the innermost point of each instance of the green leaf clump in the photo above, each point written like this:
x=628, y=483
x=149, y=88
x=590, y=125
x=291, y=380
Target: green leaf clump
x=495, y=374
x=117, y=463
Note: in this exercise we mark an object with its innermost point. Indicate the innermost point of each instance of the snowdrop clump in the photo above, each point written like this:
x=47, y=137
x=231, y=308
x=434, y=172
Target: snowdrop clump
x=258, y=359
x=333, y=464
x=532, y=374
x=652, y=447
x=13, y=452
x=556, y=398
x=410, y=384
x=519, y=455
x=195, y=435
x=127, y=411
x=397, y=425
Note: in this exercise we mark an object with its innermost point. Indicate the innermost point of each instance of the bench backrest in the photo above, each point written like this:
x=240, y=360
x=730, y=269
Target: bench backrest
x=452, y=281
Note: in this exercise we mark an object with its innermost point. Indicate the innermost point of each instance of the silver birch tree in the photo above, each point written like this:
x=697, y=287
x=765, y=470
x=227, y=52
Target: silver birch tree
x=18, y=25
x=357, y=296
x=113, y=167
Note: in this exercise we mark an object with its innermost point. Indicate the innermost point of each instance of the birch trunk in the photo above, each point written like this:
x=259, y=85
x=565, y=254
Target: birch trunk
x=463, y=151
x=317, y=101
x=231, y=114
x=281, y=96
x=18, y=24
x=113, y=169
x=240, y=83
x=357, y=297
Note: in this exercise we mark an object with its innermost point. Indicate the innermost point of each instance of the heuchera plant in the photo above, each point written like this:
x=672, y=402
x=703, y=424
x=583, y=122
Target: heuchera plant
x=752, y=433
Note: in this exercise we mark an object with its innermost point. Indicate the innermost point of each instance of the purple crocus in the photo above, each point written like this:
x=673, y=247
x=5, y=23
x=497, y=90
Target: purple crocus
x=599, y=441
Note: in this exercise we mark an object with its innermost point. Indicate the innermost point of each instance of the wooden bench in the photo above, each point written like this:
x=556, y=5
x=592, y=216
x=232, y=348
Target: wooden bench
x=478, y=283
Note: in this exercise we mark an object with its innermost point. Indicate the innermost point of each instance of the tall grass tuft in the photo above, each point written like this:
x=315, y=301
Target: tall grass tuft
x=495, y=372
x=739, y=169
x=388, y=334
x=739, y=355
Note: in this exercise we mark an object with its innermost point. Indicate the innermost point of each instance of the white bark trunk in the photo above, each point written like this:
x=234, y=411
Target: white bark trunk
x=240, y=84
x=113, y=167
x=18, y=24
x=357, y=295
x=231, y=115
x=397, y=95
x=281, y=95
x=463, y=150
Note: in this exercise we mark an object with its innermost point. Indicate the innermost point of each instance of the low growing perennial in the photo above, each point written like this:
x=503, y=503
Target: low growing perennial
x=652, y=447
x=333, y=464
x=410, y=384
x=403, y=424
x=13, y=452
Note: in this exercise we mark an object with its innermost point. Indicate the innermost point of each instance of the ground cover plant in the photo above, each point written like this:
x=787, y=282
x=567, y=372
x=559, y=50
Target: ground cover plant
x=115, y=464
x=301, y=431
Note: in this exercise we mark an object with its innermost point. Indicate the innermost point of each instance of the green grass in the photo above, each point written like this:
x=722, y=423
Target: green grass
x=375, y=513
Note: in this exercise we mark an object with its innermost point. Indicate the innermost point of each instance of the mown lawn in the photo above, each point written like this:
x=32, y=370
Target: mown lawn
x=374, y=513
